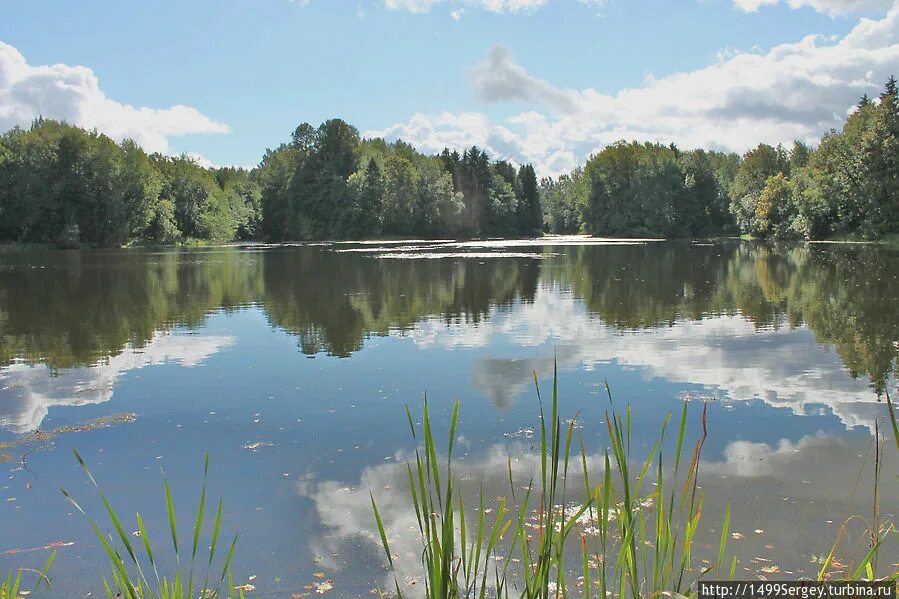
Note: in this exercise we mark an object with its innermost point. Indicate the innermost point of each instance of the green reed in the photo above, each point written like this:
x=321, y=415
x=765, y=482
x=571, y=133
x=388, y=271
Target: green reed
x=455, y=565
x=130, y=578
x=865, y=568
x=11, y=586
x=629, y=552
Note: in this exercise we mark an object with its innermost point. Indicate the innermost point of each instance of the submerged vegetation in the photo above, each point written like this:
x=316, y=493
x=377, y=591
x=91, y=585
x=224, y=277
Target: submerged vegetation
x=63, y=185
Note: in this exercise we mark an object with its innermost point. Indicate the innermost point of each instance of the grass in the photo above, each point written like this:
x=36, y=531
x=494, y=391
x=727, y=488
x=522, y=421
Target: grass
x=640, y=519
x=136, y=575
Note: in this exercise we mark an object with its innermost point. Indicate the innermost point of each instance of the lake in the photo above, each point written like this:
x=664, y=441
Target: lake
x=292, y=367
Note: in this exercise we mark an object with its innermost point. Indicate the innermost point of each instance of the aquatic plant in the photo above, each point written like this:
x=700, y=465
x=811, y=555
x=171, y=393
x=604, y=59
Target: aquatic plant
x=865, y=567
x=129, y=578
x=10, y=586
x=629, y=550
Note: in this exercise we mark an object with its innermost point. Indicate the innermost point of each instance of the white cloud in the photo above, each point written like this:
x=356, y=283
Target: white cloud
x=829, y=7
x=73, y=94
x=499, y=79
x=793, y=91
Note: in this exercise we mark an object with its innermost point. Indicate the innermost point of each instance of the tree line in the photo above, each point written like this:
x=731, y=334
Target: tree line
x=63, y=185
x=66, y=186
x=328, y=183
x=846, y=187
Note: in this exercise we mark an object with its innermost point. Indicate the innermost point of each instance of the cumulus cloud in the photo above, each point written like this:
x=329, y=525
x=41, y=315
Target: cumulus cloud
x=829, y=7
x=793, y=91
x=500, y=79
x=73, y=94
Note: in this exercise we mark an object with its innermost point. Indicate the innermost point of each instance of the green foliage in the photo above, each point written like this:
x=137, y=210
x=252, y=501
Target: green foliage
x=650, y=189
x=774, y=206
x=328, y=183
x=757, y=166
x=163, y=228
x=63, y=185
x=60, y=184
x=530, y=212
x=563, y=199
x=847, y=186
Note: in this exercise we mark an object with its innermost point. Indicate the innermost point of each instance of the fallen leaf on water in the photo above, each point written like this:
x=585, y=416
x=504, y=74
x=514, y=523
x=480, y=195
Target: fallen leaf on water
x=245, y=588
x=323, y=587
x=771, y=569
x=318, y=574
x=55, y=544
x=252, y=578
x=257, y=444
x=299, y=595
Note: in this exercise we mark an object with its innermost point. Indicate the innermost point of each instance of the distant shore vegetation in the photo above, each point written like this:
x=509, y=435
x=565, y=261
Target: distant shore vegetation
x=69, y=187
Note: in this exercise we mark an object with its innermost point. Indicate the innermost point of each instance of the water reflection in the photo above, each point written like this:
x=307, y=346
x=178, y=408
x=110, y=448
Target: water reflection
x=810, y=484
x=794, y=344
x=88, y=306
x=725, y=354
x=28, y=391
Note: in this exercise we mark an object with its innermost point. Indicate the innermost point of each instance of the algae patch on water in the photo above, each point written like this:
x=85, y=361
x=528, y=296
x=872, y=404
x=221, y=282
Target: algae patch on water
x=41, y=438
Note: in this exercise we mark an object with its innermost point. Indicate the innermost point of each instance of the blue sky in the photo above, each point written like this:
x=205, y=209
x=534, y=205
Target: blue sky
x=546, y=81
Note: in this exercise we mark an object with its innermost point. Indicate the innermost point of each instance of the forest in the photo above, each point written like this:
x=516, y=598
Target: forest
x=68, y=187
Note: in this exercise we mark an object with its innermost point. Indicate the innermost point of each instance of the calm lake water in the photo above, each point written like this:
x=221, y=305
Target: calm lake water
x=292, y=367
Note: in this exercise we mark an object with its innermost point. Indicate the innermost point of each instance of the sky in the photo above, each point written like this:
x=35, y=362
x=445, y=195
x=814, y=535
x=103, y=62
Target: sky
x=542, y=81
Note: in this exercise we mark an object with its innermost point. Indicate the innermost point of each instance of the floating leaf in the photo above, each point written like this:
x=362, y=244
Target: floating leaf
x=323, y=587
